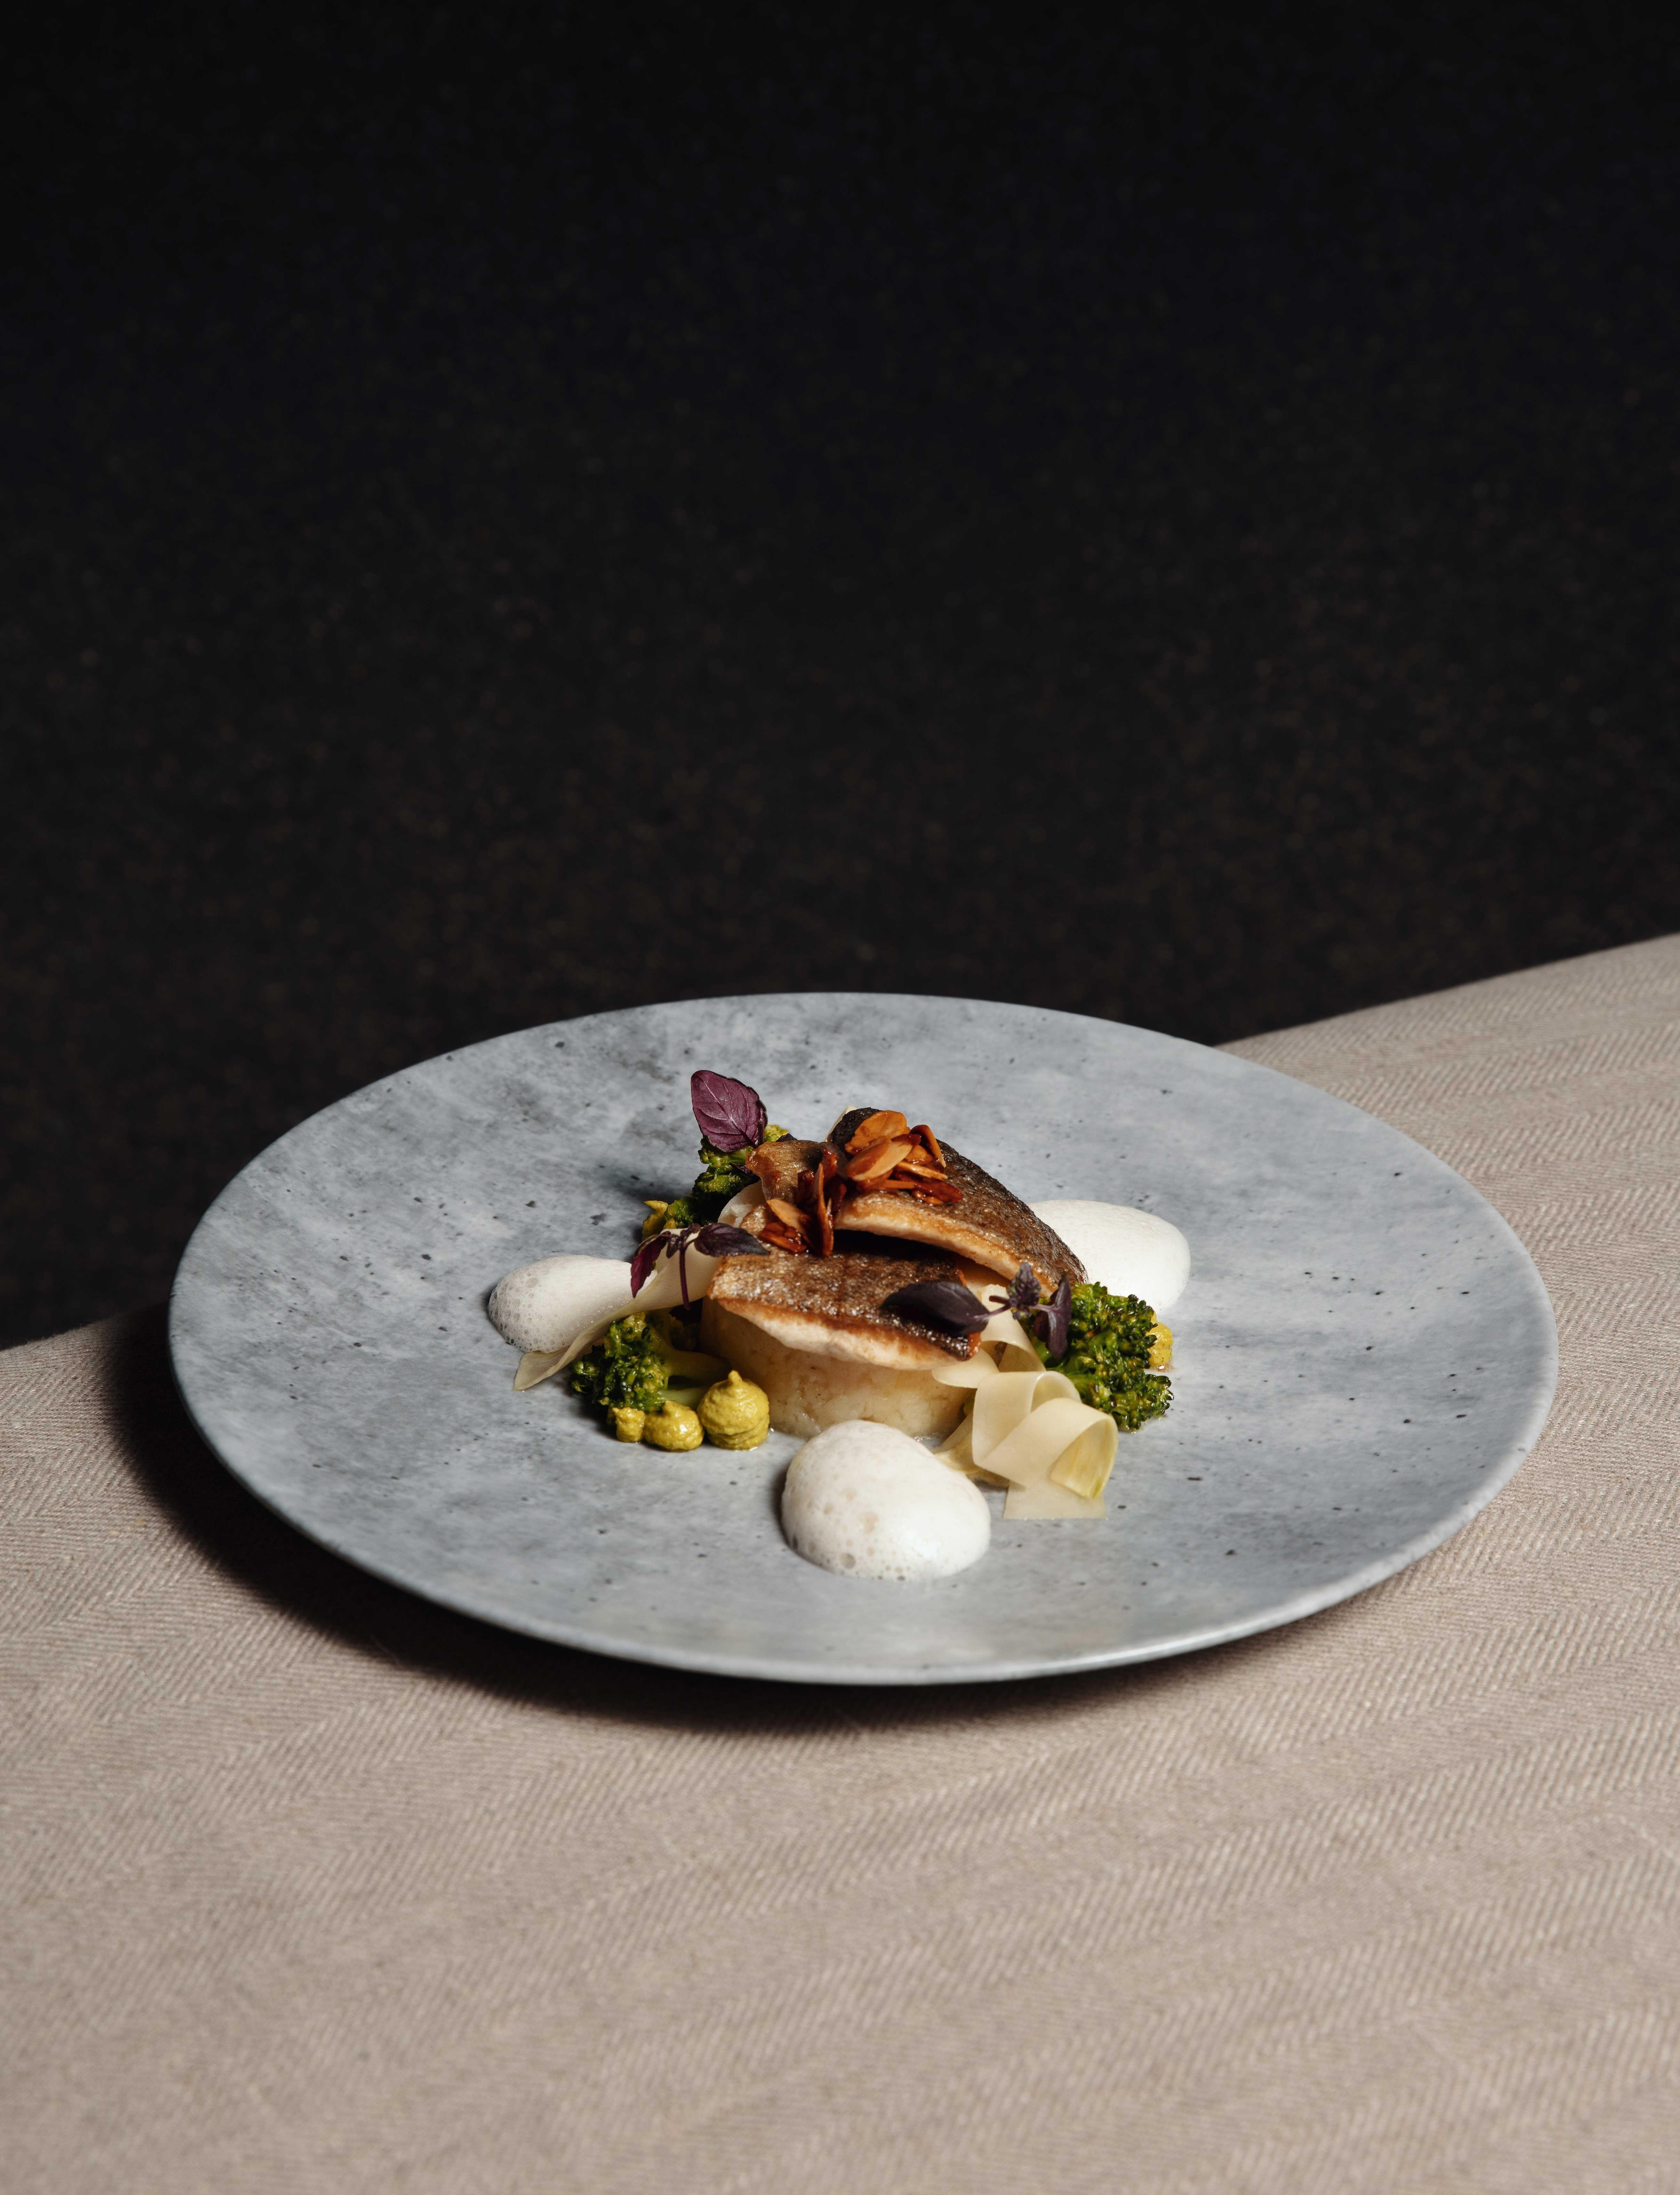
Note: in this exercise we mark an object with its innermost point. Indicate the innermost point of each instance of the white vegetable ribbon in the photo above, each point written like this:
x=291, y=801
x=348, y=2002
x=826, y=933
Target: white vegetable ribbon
x=1028, y=1429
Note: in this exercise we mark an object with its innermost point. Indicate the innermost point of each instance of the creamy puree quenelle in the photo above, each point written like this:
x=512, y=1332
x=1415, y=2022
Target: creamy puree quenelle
x=877, y=1289
x=1131, y=1253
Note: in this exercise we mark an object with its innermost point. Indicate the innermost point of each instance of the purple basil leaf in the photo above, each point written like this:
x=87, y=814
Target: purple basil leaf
x=716, y=1241
x=1024, y=1290
x=727, y=1113
x=641, y=1264
x=1050, y=1322
x=941, y=1302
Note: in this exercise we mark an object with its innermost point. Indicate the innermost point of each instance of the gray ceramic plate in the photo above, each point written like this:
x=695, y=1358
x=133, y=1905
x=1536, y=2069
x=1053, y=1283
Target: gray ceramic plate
x=1365, y=1354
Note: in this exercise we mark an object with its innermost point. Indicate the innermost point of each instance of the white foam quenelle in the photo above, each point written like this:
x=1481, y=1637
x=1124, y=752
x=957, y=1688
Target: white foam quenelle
x=544, y=1305
x=555, y=1308
x=1131, y=1252
x=868, y=1500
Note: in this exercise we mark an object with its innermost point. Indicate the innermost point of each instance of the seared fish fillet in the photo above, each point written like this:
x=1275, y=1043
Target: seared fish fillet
x=832, y=1307
x=988, y=1227
x=779, y=1166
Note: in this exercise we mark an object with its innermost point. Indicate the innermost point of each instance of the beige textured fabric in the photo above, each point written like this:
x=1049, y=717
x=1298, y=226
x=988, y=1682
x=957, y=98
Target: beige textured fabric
x=307, y=1887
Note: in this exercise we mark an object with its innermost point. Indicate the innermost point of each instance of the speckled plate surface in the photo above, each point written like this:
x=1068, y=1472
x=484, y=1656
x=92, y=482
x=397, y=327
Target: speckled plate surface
x=1365, y=1351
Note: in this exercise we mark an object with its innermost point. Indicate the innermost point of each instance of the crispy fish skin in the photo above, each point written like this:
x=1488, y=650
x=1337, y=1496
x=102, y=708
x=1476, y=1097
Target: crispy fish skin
x=989, y=1227
x=833, y=1306
x=779, y=1164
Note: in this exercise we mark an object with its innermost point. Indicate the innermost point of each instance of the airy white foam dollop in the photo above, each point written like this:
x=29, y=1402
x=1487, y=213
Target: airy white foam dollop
x=868, y=1500
x=1131, y=1252
x=543, y=1306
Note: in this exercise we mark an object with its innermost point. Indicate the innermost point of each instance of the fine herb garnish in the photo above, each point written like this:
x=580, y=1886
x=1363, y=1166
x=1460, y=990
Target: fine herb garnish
x=1048, y=1322
x=712, y=1241
x=728, y=1114
x=954, y=1305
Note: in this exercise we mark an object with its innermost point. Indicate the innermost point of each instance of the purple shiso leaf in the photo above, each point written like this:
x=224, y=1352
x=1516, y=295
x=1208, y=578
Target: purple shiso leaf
x=941, y=1302
x=712, y=1242
x=726, y=1112
x=717, y=1240
x=641, y=1264
x=1049, y=1322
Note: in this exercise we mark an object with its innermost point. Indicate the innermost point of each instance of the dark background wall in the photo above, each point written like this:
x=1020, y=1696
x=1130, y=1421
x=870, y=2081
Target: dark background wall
x=1163, y=512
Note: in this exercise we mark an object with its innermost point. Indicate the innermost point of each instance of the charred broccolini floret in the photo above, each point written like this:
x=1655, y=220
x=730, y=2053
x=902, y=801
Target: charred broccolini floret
x=723, y=1174
x=1109, y=1341
x=625, y=1370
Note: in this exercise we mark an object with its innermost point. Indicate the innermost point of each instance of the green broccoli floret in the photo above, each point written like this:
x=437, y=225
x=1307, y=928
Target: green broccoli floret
x=1122, y=1323
x=1109, y=1341
x=723, y=1174
x=625, y=1369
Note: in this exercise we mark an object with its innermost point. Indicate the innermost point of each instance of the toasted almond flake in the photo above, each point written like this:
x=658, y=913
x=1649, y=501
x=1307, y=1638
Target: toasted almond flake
x=789, y=1214
x=828, y=1166
x=879, y=1128
x=784, y=1238
x=927, y=1137
x=877, y=1163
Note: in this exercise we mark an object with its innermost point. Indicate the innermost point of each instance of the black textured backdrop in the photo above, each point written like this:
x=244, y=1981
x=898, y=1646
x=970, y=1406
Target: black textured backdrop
x=1166, y=512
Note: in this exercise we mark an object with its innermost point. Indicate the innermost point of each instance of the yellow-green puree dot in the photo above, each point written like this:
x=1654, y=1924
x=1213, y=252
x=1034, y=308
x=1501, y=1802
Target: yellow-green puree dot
x=735, y=1412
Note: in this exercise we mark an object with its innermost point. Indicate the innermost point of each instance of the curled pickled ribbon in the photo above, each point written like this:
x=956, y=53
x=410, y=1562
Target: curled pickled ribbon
x=1027, y=1430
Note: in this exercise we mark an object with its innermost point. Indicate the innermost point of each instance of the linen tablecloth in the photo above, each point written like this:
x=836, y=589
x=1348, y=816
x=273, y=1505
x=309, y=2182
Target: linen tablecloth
x=308, y=1886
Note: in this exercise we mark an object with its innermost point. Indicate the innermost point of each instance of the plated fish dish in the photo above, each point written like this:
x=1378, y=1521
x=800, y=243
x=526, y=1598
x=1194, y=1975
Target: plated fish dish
x=873, y=1291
